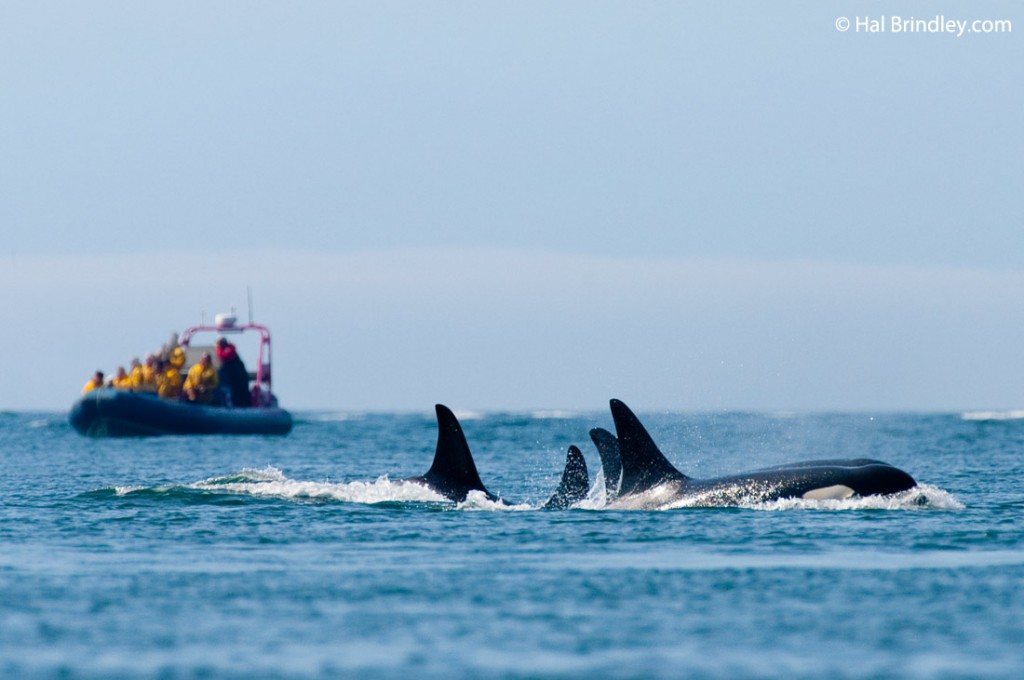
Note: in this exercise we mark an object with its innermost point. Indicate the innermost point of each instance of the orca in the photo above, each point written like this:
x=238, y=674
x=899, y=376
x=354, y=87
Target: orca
x=453, y=473
x=611, y=462
x=575, y=482
x=650, y=481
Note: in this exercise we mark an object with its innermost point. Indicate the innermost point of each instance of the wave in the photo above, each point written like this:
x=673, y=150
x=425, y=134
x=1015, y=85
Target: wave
x=993, y=415
x=327, y=417
x=554, y=414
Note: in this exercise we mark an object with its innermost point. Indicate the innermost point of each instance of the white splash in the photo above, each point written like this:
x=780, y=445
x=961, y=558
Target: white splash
x=477, y=500
x=597, y=497
x=921, y=497
x=125, y=490
x=269, y=482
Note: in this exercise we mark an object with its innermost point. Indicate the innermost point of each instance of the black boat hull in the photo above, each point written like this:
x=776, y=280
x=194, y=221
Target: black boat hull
x=115, y=413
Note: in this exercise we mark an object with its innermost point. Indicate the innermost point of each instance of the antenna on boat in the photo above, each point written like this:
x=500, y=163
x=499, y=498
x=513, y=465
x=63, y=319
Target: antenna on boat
x=248, y=294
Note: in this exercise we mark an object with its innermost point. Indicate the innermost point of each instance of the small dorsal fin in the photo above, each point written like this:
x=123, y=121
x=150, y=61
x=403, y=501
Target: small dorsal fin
x=575, y=482
x=611, y=462
x=644, y=466
x=453, y=472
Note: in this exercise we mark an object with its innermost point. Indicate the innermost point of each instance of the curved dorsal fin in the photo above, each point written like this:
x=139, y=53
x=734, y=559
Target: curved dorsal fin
x=453, y=472
x=611, y=462
x=644, y=466
x=575, y=482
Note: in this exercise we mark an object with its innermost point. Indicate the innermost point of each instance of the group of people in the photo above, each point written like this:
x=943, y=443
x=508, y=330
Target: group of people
x=162, y=374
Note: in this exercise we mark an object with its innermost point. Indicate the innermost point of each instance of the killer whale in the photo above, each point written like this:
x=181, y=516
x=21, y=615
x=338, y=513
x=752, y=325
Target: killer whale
x=453, y=473
x=611, y=463
x=649, y=480
x=575, y=482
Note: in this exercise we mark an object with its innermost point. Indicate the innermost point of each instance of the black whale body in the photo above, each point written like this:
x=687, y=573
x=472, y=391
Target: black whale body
x=453, y=473
x=575, y=483
x=611, y=460
x=648, y=479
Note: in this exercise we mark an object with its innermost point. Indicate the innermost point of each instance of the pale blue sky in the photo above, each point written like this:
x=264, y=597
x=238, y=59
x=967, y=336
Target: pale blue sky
x=520, y=204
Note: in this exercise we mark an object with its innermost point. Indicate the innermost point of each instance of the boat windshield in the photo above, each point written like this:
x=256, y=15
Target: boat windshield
x=252, y=342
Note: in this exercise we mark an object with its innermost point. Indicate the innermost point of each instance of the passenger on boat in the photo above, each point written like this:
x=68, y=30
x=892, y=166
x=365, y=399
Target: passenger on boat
x=201, y=383
x=145, y=378
x=234, y=379
x=94, y=383
x=165, y=352
x=169, y=381
x=121, y=380
x=135, y=372
x=176, y=358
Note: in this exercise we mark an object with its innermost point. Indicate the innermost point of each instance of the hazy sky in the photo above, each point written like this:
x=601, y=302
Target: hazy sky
x=504, y=205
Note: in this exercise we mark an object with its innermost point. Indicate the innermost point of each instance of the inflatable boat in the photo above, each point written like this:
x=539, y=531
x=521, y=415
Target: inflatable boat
x=110, y=412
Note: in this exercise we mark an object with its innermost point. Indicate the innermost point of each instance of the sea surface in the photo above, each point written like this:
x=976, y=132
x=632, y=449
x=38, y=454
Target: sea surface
x=304, y=557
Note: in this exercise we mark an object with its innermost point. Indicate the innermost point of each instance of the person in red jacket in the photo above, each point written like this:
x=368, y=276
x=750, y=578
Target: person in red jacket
x=234, y=379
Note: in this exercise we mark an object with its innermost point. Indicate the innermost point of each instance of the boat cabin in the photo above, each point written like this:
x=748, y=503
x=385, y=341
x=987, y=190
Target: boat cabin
x=252, y=341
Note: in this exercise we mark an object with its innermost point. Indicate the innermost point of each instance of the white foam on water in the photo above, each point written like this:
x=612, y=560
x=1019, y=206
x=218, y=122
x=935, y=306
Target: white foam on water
x=921, y=497
x=463, y=414
x=125, y=490
x=270, y=482
x=332, y=417
x=477, y=500
x=993, y=415
x=553, y=414
x=597, y=497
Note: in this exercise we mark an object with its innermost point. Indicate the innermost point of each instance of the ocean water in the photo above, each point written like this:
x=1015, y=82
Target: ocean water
x=301, y=557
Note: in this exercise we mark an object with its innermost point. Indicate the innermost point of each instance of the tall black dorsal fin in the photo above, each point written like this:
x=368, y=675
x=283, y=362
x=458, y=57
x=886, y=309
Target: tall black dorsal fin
x=644, y=466
x=611, y=462
x=575, y=482
x=453, y=473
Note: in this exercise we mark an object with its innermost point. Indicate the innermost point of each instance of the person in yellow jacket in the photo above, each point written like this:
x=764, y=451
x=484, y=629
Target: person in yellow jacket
x=121, y=380
x=144, y=378
x=176, y=358
x=135, y=374
x=201, y=382
x=168, y=381
x=94, y=383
